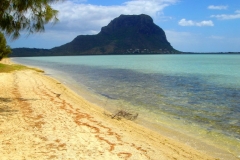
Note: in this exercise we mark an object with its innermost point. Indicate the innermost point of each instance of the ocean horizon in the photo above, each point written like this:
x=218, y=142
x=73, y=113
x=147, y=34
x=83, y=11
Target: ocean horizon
x=197, y=95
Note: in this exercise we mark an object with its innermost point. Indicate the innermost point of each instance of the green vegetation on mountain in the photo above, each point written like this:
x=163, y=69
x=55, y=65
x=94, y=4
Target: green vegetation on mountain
x=126, y=34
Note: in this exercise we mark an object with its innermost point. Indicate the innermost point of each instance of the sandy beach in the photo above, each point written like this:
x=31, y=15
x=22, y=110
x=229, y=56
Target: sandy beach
x=40, y=118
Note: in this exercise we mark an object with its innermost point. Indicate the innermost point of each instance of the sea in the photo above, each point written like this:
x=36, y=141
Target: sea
x=197, y=95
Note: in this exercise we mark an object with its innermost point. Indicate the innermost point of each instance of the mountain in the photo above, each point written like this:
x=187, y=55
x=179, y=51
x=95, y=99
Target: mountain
x=126, y=34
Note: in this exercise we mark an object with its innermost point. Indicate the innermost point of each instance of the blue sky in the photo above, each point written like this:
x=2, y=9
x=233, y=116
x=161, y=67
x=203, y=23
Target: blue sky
x=190, y=25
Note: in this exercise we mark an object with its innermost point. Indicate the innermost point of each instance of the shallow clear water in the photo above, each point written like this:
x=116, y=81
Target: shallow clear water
x=199, y=94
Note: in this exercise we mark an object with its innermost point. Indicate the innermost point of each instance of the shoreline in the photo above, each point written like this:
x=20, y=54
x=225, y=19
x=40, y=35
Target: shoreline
x=36, y=123
x=203, y=143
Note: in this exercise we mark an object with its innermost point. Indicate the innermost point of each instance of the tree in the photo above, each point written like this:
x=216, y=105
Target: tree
x=18, y=15
x=4, y=48
x=30, y=15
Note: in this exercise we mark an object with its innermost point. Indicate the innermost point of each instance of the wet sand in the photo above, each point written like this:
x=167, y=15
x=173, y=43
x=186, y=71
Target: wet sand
x=40, y=118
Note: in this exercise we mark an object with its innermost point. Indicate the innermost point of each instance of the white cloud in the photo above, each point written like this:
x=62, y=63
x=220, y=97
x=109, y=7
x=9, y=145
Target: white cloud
x=88, y=19
x=218, y=7
x=205, y=23
x=216, y=37
x=184, y=22
x=227, y=16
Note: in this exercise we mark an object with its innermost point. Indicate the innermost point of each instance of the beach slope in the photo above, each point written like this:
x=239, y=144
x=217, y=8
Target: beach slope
x=42, y=119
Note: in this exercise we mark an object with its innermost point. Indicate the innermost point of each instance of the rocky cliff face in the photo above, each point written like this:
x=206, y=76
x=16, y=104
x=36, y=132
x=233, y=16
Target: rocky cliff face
x=126, y=34
x=123, y=35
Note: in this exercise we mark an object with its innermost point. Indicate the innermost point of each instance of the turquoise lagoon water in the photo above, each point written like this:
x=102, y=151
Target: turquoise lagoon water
x=198, y=95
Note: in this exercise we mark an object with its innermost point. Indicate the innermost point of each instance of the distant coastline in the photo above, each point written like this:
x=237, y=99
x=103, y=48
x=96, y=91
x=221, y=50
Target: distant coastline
x=35, y=52
x=210, y=52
